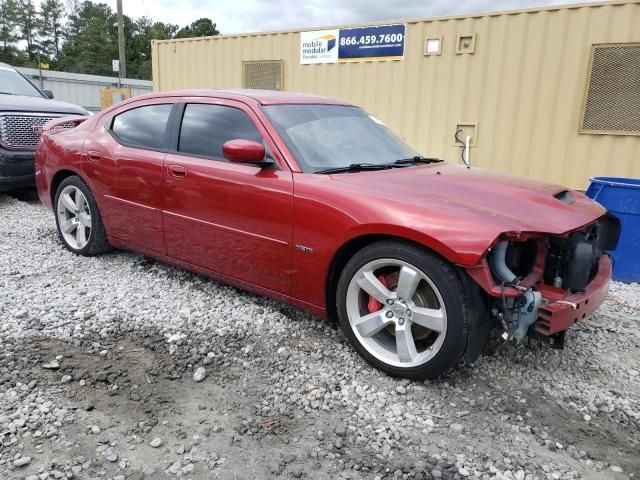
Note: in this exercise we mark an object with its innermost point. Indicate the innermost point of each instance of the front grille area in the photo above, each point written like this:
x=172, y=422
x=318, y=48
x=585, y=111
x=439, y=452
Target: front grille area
x=17, y=130
x=573, y=262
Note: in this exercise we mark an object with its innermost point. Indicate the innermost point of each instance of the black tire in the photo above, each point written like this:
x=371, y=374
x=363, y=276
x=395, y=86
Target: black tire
x=29, y=195
x=450, y=287
x=97, y=241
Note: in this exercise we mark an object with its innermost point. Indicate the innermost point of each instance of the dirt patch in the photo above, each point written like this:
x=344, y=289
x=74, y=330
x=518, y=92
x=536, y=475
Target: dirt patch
x=125, y=392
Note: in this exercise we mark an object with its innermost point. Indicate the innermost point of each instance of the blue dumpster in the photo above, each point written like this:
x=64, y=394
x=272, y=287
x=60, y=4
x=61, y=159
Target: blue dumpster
x=621, y=196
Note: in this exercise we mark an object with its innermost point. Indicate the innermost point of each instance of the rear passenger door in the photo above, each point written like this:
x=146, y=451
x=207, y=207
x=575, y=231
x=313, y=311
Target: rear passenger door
x=125, y=162
x=231, y=218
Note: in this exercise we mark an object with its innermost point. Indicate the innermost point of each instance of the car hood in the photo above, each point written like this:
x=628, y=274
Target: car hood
x=500, y=201
x=20, y=103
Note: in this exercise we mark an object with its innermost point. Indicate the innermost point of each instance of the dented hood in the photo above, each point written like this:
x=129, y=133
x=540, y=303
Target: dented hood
x=500, y=201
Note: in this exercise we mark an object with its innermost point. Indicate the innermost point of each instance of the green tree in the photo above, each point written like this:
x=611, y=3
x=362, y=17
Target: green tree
x=86, y=40
x=73, y=12
x=8, y=23
x=50, y=26
x=27, y=21
x=90, y=40
x=138, y=44
x=203, y=27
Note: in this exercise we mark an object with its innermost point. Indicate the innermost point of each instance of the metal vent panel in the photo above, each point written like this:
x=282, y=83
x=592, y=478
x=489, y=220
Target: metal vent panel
x=612, y=101
x=263, y=74
x=22, y=130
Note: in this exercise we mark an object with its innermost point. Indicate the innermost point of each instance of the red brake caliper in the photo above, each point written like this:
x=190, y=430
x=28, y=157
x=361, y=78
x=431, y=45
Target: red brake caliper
x=374, y=305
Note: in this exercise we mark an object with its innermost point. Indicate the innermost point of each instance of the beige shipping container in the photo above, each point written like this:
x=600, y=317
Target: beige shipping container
x=550, y=93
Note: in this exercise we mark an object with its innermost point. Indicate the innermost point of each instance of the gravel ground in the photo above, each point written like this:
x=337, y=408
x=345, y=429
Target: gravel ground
x=120, y=367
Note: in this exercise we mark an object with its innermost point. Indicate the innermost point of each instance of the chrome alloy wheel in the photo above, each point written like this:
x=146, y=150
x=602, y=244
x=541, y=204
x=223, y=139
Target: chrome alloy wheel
x=396, y=312
x=74, y=217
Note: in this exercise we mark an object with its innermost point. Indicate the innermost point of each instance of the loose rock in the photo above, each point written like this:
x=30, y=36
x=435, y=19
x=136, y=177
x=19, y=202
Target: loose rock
x=22, y=461
x=156, y=442
x=200, y=374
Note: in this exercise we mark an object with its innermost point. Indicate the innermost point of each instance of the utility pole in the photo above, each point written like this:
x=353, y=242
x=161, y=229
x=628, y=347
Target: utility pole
x=40, y=72
x=121, y=55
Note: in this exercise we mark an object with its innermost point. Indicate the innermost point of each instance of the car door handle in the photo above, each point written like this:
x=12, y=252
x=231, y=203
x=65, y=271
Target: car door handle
x=94, y=156
x=177, y=171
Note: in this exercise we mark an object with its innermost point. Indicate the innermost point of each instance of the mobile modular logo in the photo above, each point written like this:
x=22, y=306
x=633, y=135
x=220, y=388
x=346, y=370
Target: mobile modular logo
x=320, y=46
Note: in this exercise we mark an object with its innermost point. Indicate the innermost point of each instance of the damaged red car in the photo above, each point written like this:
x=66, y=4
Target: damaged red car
x=313, y=202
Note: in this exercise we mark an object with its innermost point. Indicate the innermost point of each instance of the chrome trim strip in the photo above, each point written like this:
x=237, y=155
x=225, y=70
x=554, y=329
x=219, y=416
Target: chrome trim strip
x=133, y=204
x=229, y=229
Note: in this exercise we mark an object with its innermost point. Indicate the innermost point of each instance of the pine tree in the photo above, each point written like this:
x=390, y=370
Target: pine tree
x=27, y=20
x=90, y=40
x=83, y=36
x=8, y=12
x=203, y=27
x=50, y=26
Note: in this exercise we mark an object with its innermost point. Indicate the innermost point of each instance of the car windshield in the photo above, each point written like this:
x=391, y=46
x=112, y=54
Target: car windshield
x=12, y=83
x=323, y=137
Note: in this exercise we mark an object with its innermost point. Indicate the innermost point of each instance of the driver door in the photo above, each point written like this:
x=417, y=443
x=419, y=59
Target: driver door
x=233, y=219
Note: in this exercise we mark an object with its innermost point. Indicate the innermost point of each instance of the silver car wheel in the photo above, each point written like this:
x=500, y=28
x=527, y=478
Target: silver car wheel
x=74, y=217
x=410, y=326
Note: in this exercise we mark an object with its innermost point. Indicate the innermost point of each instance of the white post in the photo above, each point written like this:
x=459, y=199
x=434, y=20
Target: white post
x=467, y=146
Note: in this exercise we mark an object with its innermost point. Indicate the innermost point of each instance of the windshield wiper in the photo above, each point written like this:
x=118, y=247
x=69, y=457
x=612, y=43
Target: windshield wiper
x=7, y=93
x=417, y=159
x=357, y=167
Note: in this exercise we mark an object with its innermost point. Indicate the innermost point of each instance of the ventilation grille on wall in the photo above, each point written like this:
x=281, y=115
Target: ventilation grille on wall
x=612, y=102
x=265, y=74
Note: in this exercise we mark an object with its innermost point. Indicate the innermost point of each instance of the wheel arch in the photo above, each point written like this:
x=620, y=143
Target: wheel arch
x=57, y=179
x=348, y=249
x=476, y=303
x=96, y=242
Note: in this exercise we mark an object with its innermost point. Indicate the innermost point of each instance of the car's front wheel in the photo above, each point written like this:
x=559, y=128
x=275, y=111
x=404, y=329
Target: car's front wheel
x=78, y=220
x=403, y=309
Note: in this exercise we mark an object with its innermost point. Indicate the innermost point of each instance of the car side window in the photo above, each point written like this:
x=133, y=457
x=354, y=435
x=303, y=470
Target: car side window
x=205, y=128
x=143, y=127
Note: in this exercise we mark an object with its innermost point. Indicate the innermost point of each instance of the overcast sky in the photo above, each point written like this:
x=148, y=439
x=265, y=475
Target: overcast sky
x=242, y=16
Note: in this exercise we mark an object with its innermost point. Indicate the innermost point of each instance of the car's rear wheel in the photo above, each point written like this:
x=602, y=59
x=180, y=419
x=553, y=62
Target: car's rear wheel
x=403, y=309
x=78, y=220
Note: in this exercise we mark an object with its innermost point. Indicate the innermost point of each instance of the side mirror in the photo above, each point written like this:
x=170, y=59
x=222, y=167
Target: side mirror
x=245, y=151
x=47, y=93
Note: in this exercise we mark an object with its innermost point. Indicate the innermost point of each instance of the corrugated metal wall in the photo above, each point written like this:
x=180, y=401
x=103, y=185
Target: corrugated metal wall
x=524, y=86
x=81, y=89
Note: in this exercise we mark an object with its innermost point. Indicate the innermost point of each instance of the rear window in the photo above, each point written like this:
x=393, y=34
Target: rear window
x=143, y=127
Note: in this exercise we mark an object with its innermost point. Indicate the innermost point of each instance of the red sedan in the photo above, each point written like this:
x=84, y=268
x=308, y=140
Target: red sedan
x=312, y=201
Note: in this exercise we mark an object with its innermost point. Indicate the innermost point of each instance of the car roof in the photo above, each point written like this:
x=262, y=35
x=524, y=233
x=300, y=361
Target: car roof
x=262, y=97
x=4, y=66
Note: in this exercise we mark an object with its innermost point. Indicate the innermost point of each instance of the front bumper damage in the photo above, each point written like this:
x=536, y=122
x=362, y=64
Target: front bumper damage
x=565, y=309
x=558, y=280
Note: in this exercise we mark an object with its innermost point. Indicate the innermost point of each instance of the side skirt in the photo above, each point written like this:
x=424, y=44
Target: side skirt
x=244, y=285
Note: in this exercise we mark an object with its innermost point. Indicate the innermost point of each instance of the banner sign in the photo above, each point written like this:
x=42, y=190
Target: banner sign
x=320, y=46
x=384, y=42
x=380, y=42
